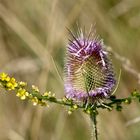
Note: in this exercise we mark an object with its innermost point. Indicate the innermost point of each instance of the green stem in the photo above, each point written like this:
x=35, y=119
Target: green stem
x=67, y=103
x=93, y=117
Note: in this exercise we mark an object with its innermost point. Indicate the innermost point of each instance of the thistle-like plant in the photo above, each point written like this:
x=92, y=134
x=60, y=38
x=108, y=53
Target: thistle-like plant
x=89, y=76
x=89, y=80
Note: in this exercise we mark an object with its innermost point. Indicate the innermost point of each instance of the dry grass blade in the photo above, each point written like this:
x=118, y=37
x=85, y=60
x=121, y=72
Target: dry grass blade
x=20, y=29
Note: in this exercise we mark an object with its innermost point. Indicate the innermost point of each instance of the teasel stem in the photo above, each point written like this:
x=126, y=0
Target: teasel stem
x=93, y=117
x=93, y=113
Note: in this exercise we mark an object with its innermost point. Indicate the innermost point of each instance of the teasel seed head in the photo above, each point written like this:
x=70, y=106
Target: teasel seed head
x=88, y=72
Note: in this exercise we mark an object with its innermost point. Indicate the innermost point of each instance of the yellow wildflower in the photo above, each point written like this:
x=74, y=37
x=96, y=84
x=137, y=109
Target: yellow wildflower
x=35, y=101
x=47, y=94
x=88, y=111
x=30, y=96
x=35, y=88
x=13, y=81
x=43, y=103
x=4, y=77
x=64, y=99
x=23, y=84
x=75, y=106
x=22, y=93
x=11, y=84
x=69, y=112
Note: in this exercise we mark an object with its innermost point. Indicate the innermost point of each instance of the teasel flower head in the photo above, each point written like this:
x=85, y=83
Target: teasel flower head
x=88, y=70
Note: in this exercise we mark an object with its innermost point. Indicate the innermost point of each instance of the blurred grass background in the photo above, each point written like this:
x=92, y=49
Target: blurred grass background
x=33, y=40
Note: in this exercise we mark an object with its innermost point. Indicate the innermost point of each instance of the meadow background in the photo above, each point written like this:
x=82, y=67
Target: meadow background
x=33, y=40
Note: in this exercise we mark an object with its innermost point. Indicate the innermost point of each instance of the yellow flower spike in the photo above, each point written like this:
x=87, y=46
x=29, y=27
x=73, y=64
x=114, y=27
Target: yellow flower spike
x=53, y=95
x=35, y=88
x=9, y=86
x=22, y=94
x=43, y=103
x=7, y=79
x=27, y=94
x=47, y=94
x=35, y=101
x=30, y=96
x=69, y=112
x=13, y=80
x=4, y=77
x=88, y=111
x=23, y=97
x=23, y=84
x=12, y=84
x=75, y=106
x=64, y=99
